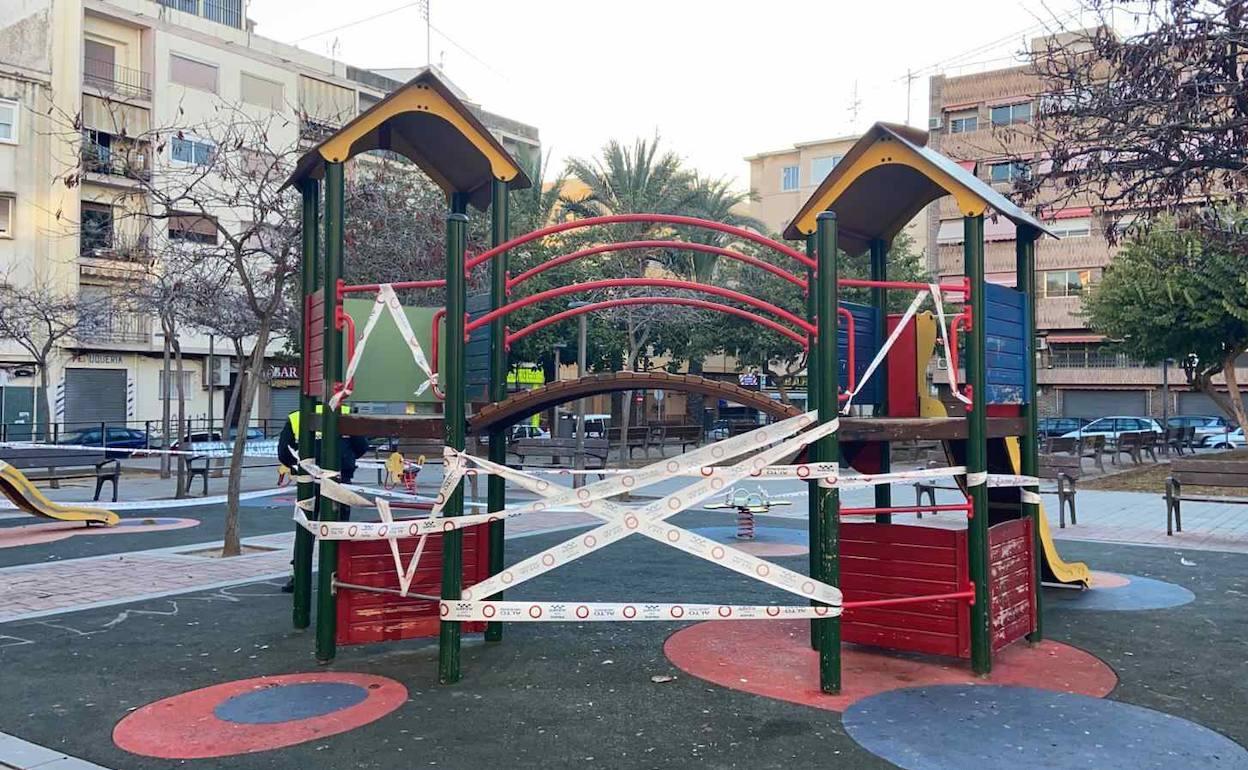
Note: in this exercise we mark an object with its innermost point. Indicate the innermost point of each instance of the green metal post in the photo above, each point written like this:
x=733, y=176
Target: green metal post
x=812, y=453
x=452, y=542
x=879, y=298
x=304, y=542
x=496, y=486
x=829, y=448
x=1025, y=265
x=327, y=510
x=977, y=446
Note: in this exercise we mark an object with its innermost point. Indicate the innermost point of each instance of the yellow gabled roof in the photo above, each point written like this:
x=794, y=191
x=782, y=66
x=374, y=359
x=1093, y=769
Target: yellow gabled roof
x=427, y=123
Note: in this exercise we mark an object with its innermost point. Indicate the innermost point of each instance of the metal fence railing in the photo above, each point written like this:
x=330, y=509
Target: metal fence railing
x=136, y=434
x=110, y=77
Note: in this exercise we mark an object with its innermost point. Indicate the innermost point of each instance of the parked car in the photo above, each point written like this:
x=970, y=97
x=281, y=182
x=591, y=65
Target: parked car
x=1232, y=440
x=203, y=436
x=116, y=437
x=1207, y=426
x=1112, y=427
x=527, y=431
x=595, y=425
x=1059, y=426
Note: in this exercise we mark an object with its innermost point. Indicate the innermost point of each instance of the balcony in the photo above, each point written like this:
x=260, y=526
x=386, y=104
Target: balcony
x=1081, y=358
x=107, y=77
x=98, y=159
x=315, y=131
x=107, y=246
x=117, y=328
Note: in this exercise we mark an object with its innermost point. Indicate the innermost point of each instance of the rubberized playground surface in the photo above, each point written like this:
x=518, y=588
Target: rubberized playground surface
x=564, y=695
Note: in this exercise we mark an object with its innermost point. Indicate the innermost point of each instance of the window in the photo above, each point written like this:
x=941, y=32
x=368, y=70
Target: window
x=1074, y=227
x=99, y=64
x=951, y=231
x=262, y=92
x=821, y=167
x=8, y=121
x=169, y=388
x=1008, y=171
x=194, y=74
x=962, y=123
x=1066, y=283
x=190, y=6
x=190, y=152
x=192, y=228
x=1011, y=113
x=789, y=178
x=6, y=217
x=97, y=228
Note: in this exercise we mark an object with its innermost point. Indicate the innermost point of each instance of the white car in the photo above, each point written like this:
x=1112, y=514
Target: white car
x=1232, y=440
x=1112, y=427
x=1205, y=427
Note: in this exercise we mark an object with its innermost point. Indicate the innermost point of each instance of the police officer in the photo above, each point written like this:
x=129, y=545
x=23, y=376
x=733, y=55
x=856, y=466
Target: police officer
x=350, y=449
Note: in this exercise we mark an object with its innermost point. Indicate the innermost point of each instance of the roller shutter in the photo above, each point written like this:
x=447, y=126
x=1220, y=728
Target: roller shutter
x=1092, y=404
x=94, y=396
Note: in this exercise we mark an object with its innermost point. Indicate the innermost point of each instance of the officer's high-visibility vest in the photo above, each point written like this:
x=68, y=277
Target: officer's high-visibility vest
x=320, y=409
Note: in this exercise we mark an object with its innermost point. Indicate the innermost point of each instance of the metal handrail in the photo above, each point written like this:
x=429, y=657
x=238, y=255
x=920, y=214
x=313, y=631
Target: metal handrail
x=115, y=78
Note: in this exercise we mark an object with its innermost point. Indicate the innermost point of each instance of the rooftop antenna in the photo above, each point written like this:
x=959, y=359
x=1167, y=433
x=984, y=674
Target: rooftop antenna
x=910, y=78
x=854, y=105
x=424, y=14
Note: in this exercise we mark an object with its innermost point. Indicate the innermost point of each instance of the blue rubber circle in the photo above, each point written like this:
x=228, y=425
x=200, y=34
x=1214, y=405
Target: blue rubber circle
x=786, y=535
x=954, y=727
x=289, y=703
x=1140, y=594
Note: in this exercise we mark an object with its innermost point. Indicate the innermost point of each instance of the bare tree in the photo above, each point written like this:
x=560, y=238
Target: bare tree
x=39, y=320
x=221, y=218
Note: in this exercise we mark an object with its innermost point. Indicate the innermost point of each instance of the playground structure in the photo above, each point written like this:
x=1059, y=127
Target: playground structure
x=26, y=496
x=962, y=593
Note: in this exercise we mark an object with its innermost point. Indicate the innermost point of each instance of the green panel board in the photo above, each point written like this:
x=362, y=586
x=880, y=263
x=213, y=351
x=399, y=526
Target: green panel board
x=387, y=372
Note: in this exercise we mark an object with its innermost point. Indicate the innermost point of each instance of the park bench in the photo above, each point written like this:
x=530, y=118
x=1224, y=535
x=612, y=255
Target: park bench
x=1133, y=444
x=1066, y=470
x=683, y=435
x=638, y=437
x=1173, y=440
x=560, y=453
x=55, y=465
x=1092, y=447
x=1206, y=473
x=1061, y=444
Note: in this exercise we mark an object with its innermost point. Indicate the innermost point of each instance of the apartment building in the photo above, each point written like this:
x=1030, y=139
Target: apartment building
x=782, y=180
x=121, y=67
x=984, y=121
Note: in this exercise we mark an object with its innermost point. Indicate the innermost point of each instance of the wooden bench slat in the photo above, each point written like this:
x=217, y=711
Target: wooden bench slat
x=1211, y=479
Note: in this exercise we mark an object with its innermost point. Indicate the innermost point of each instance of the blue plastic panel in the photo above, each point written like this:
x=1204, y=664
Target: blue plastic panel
x=1007, y=355
x=865, y=349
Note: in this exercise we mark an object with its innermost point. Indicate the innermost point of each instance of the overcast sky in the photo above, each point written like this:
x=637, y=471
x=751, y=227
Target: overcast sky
x=718, y=80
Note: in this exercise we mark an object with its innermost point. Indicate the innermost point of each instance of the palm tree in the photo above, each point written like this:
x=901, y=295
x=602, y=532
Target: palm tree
x=540, y=204
x=714, y=199
x=637, y=180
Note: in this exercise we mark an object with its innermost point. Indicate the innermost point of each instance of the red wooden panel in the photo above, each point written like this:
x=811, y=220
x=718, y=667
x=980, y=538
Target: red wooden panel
x=365, y=617
x=314, y=343
x=1004, y=410
x=903, y=381
x=1011, y=582
x=883, y=561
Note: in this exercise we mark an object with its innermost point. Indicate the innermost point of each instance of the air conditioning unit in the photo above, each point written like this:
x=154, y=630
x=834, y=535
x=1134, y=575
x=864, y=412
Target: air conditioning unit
x=935, y=123
x=941, y=363
x=219, y=375
x=1042, y=343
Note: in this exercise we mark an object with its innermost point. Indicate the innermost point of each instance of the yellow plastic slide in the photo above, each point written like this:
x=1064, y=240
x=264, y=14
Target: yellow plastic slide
x=1069, y=572
x=1055, y=570
x=27, y=497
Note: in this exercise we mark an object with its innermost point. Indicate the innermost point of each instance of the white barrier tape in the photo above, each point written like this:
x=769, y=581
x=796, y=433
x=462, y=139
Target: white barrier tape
x=882, y=353
x=586, y=612
x=805, y=471
x=625, y=521
x=872, y=480
x=650, y=474
x=149, y=505
x=388, y=300
x=938, y=301
x=261, y=448
x=1011, y=480
x=1030, y=497
x=454, y=466
x=976, y=479
x=405, y=574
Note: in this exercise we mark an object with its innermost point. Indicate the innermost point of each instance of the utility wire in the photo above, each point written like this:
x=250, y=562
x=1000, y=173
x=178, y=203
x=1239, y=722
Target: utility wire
x=357, y=22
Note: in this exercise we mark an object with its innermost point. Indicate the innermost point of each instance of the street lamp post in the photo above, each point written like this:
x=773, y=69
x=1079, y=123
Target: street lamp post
x=1165, y=401
x=554, y=410
x=582, y=336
